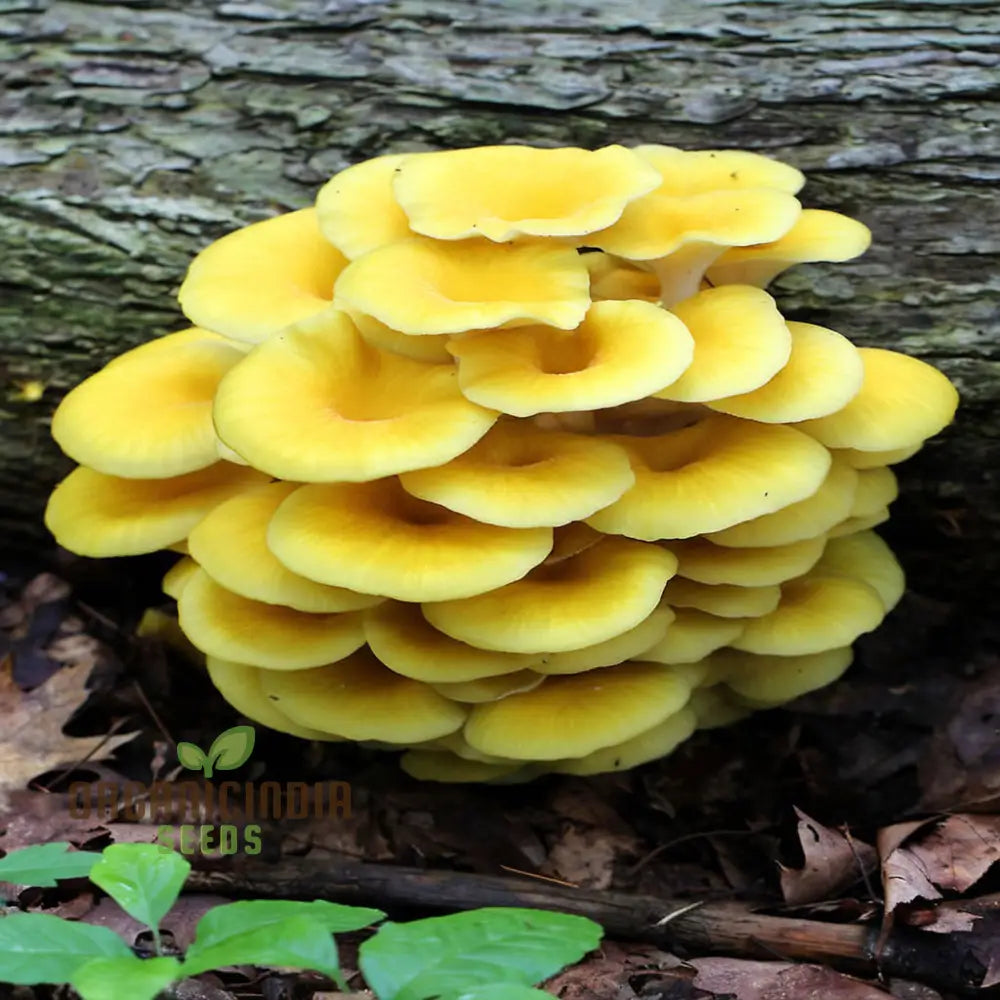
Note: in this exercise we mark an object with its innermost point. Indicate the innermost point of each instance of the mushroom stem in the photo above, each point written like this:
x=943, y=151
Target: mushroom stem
x=681, y=272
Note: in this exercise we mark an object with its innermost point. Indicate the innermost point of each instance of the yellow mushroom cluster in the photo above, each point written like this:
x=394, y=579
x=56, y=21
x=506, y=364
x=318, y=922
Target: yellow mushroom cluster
x=506, y=458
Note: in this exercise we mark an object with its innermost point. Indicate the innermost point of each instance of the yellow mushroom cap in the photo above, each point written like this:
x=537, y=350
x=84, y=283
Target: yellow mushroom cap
x=807, y=518
x=454, y=743
x=715, y=707
x=818, y=611
x=375, y=538
x=502, y=192
x=92, y=514
x=360, y=699
x=230, y=544
x=823, y=374
x=714, y=474
x=705, y=170
x=622, y=351
x=902, y=402
x=400, y=636
x=569, y=539
x=852, y=525
x=652, y=744
x=357, y=210
x=692, y=636
x=575, y=715
x=865, y=556
x=486, y=689
x=725, y=600
x=870, y=459
x=318, y=404
x=255, y=281
x=595, y=595
x=877, y=488
x=523, y=477
x=420, y=286
x=223, y=624
x=627, y=646
x=772, y=680
x=240, y=685
x=176, y=578
x=612, y=277
x=431, y=350
x=740, y=342
x=704, y=562
x=148, y=415
x=430, y=765
x=817, y=235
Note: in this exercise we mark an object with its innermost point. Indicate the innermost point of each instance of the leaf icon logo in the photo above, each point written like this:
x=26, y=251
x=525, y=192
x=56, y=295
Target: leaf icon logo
x=228, y=751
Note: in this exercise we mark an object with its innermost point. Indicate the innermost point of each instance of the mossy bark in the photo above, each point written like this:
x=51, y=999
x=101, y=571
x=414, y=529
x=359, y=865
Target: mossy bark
x=131, y=135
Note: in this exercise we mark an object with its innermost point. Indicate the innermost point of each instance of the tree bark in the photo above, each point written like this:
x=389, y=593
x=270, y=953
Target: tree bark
x=134, y=134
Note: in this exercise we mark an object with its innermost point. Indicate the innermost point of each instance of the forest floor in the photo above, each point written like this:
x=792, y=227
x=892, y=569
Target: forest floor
x=872, y=804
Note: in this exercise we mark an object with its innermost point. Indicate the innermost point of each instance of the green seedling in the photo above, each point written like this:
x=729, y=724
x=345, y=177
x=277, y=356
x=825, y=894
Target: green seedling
x=229, y=750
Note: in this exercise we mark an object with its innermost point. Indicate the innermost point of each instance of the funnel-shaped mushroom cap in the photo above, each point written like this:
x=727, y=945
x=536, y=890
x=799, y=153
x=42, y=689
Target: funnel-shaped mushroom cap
x=622, y=351
x=570, y=539
x=902, y=402
x=360, y=699
x=593, y=596
x=575, y=715
x=852, y=525
x=705, y=170
x=176, y=578
x=692, y=636
x=374, y=538
x=865, y=556
x=714, y=474
x=715, y=707
x=231, y=627
x=740, y=342
x=614, y=278
x=241, y=686
x=454, y=743
x=255, y=281
x=400, y=636
x=96, y=515
x=704, y=562
x=490, y=688
x=420, y=286
x=824, y=373
x=654, y=743
x=318, y=404
x=230, y=544
x=817, y=235
x=430, y=350
x=629, y=645
x=877, y=488
x=430, y=765
x=871, y=459
x=773, y=680
x=809, y=518
x=722, y=599
x=818, y=611
x=149, y=414
x=357, y=210
x=523, y=477
x=502, y=192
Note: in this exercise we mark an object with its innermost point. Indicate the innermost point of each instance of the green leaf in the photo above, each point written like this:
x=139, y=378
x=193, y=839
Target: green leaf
x=224, y=923
x=143, y=879
x=298, y=943
x=191, y=756
x=132, y=977
x=232, y=748
x=44, y=864
x=448, y=955
x=40, y=948
x=495, y=991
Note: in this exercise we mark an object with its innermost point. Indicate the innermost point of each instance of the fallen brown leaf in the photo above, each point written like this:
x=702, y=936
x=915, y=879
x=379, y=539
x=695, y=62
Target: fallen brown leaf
x=746, y=980
x=833, y=863
x=32, y=740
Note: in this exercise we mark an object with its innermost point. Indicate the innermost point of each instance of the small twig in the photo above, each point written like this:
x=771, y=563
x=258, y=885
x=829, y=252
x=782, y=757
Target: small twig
x=157, y=721
x=543, y=878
